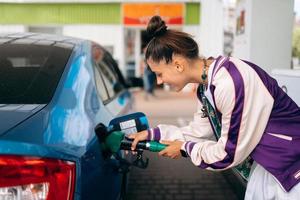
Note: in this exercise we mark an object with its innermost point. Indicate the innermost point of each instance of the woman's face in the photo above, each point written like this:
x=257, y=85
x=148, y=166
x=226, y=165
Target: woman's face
x=172, y=74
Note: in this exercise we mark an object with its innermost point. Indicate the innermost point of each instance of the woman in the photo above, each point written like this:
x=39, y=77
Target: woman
x=244, y=108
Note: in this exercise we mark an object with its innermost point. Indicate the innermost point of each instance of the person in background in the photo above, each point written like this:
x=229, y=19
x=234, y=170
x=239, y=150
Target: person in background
x=149, y=78
x=242, y=112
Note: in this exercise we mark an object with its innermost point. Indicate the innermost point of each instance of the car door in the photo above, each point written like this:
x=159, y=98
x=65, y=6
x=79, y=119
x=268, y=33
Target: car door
x=103, y=180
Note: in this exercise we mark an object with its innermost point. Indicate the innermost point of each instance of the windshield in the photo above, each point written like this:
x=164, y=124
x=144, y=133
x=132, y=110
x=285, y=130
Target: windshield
x=30, y=73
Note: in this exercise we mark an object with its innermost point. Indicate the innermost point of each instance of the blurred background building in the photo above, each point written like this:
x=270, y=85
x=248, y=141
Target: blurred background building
x=266, y=32
x=256, y=30
x=119, y=26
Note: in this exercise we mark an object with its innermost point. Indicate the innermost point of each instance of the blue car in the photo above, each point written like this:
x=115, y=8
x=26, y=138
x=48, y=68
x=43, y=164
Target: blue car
x=54, y=90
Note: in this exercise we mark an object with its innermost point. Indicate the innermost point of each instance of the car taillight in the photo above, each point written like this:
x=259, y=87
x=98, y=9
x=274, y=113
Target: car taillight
x=24, y=177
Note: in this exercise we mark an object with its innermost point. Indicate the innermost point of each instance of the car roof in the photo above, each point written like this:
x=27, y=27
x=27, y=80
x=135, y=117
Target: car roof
x=39, y=38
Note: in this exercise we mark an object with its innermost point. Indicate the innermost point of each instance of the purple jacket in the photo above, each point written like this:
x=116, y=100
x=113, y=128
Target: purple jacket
x=257, y=117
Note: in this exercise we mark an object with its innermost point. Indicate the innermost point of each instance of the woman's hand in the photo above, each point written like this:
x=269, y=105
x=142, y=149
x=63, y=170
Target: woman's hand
x=172, y=150
x=140, y=136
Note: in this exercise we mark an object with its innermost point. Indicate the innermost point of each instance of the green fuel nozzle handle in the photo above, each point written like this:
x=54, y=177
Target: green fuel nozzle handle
x=150, y=146
x=155, y=146
x=116, y=141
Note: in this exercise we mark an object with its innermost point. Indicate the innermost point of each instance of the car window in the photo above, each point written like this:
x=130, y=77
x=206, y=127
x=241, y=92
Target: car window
x=114, y=66
x=100, y=85
x=107, y=73
x=29, y=73
x=109, y=79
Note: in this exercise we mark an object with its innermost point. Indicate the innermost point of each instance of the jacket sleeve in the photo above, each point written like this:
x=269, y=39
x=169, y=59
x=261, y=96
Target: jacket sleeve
x=245, y=104
x=198, y=129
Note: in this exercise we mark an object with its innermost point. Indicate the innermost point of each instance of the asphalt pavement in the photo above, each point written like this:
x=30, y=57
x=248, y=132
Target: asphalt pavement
x=167, y=179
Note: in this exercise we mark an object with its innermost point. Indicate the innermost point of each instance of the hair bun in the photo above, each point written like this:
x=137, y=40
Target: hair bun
x=156, y=27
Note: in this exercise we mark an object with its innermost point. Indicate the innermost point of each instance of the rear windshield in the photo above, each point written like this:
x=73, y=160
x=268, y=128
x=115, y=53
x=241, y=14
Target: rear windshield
x=29, y=73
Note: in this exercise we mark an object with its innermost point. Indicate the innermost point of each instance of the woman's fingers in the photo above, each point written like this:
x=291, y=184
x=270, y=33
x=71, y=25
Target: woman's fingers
x=134, y=143
x=140, y=136
x=163, y=152
x=166, y=142
x=131, y=136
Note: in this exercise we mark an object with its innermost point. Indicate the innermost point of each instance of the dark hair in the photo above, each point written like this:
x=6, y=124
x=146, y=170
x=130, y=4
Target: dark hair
x=166, y=42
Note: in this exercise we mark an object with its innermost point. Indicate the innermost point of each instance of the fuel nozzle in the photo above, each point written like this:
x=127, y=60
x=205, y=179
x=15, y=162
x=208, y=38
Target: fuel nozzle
x=114, y=141
x=149, y=145
x=112, y=138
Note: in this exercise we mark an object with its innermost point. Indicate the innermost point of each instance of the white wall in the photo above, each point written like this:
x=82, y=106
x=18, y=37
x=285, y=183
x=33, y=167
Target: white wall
x=271, y=38
x=12, y=28
x=268, y=33
x=194, y=31
x=105, y=35
x=211, y=28
x=241, y=47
